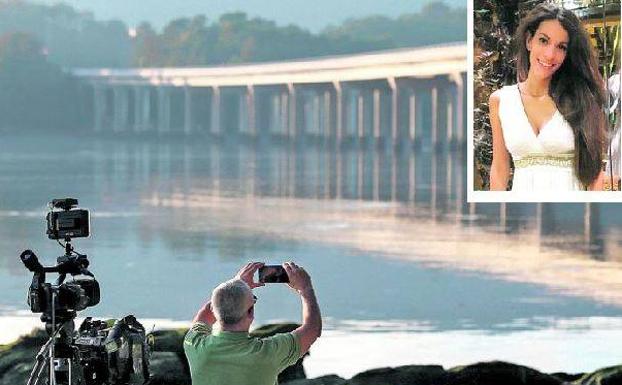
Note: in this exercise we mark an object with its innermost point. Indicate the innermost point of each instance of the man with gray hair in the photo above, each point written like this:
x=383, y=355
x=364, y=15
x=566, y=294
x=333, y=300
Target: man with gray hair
x=227, y=355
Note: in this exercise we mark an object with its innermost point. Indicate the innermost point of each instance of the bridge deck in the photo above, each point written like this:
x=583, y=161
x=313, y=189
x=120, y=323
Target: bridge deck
x=424, y=62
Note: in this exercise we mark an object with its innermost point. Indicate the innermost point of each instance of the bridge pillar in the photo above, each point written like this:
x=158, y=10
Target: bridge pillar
x=459, y=81
x=360, y=116
x=434, y=113
x=296, y=130
x=215, y=121
x=250, y=111
x=142, y=108
x=339, y=112
x=412, y=117
x=315, y=115
x=376, y=129
x=395, y=99
x=187, y=110
x=283, y=114
x=327, y=114
x=145, y=109
x=450, y=111
x=99, y=94
x=164, y=110
x=138, y=103
x=121, y=108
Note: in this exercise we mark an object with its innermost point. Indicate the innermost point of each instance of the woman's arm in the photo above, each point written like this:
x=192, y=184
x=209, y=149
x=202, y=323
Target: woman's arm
x=500, y=168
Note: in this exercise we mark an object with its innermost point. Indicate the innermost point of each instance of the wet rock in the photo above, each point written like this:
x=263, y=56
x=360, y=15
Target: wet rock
x=498, y=372
x=17, y=359
x=324, y=380
x=606, y=376
x=168, y=366
x=411, y=374
x=565, y=377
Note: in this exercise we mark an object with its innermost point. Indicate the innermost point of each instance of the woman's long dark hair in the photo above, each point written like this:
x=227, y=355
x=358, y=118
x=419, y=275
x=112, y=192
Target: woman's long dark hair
x=576, y=87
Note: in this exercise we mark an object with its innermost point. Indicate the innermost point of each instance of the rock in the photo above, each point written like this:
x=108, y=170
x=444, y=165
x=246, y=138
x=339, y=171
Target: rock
x=166, y=368
x=565, y=377
x=17, y=359
x=606, y=376
x=498, y=372
x=411, y=374
x=324, y=380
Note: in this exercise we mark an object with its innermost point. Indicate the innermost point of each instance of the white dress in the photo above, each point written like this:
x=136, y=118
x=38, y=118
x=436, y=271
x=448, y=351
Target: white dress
x=542, y=162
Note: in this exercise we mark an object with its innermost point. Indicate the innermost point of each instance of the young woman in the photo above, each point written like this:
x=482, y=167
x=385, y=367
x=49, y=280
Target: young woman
x=551, y=124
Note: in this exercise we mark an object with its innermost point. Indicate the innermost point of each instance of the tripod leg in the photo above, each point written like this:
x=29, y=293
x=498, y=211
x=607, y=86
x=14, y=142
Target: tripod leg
x=40, y=364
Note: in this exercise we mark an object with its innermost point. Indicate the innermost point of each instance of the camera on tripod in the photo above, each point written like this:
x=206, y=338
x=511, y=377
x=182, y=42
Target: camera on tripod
x=62, y=299
x=106, y=352
x=66, y=222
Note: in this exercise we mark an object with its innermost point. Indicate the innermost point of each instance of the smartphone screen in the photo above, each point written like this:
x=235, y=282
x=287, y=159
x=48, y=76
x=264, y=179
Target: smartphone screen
x=273, y=274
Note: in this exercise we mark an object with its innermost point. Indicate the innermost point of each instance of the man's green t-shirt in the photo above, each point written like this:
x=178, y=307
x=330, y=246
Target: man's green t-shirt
x=232, y=358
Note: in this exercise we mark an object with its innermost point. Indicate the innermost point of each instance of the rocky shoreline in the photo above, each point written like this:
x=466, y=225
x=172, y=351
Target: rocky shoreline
x=168, y=367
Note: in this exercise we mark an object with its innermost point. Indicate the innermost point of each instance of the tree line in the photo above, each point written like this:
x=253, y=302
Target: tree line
x=39, y=42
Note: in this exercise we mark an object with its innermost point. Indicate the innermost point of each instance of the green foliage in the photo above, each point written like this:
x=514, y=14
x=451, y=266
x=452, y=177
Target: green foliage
x=30, y=87
x=71, y=38
x=494, y=23
x=435, y=23
x=234, y=38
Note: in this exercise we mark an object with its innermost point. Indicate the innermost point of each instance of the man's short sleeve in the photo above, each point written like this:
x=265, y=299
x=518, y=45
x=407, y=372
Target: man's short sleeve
x=283, y=349
x=198, y=331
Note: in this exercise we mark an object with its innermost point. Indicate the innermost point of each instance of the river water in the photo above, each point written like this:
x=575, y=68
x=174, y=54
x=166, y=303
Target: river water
x=406, y=271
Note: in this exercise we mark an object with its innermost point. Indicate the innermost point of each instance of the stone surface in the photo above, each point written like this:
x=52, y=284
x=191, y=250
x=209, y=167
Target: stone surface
x=169, y=367
x=324, y=380
x=498, y=372
x=606, y=376
x=411, y=374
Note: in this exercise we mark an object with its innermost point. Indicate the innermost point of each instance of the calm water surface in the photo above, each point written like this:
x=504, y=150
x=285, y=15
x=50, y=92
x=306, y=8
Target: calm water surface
x=160, y=261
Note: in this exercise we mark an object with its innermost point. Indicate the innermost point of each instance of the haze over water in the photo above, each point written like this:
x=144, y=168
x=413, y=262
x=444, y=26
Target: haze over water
x=403, y=266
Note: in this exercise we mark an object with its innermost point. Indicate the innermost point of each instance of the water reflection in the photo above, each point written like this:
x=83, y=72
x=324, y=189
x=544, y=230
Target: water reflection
x=431, y=183
x=391, y=241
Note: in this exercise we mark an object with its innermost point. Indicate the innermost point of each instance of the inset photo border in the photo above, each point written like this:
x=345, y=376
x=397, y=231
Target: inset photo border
x=544, y=101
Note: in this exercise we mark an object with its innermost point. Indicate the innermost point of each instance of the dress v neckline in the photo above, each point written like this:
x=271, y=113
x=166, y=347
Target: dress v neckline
x=531, y=128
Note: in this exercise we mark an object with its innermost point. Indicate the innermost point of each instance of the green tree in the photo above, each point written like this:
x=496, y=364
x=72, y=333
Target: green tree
x=30, y=88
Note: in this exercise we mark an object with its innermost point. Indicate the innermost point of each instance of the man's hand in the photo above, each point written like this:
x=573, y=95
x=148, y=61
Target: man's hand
x=247, y=273
x=205, y=315
x=299, y=280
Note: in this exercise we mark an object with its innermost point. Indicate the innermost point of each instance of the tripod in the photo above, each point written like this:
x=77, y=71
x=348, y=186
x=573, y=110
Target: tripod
x=58, y=303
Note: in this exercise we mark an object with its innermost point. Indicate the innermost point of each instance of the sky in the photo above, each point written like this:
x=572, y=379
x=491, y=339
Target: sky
x=312, y=15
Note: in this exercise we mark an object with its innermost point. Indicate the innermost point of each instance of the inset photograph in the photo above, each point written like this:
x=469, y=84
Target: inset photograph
x=546, y=101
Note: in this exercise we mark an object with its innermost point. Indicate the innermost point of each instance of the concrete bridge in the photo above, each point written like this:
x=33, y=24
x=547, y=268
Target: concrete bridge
x=396, y=97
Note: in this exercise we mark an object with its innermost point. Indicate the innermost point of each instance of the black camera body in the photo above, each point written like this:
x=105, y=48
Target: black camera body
x=74, y=295
x=107, y=354
x=113, y=353
x=71, y=296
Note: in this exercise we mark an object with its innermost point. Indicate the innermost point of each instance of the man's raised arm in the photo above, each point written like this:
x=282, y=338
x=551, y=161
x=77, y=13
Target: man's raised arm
x=311, y=327
x=205, y=315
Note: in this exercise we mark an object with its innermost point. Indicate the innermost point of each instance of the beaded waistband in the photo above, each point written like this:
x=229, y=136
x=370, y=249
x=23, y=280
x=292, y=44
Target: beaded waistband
x=557, y=160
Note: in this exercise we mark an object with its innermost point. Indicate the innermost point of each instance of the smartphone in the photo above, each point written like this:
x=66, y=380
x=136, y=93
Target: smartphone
x=273, y=274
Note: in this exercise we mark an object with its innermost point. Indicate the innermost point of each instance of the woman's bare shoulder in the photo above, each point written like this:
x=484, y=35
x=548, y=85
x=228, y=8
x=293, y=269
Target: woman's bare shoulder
x=495, y=97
